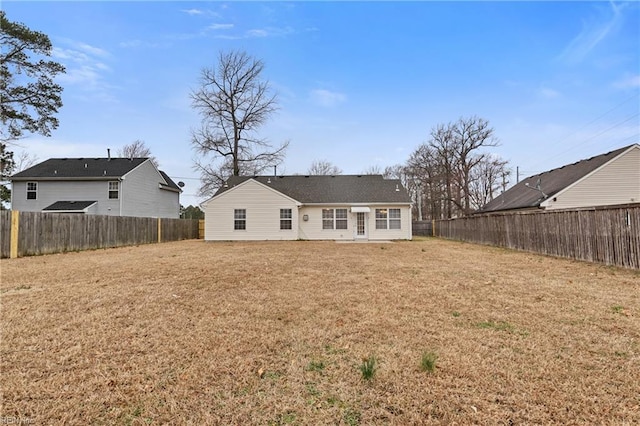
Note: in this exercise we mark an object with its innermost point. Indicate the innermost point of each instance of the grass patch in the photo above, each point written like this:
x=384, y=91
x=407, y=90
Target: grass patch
x=428, y=362
x=368, y=367
x=317, y=366
x=499, y=326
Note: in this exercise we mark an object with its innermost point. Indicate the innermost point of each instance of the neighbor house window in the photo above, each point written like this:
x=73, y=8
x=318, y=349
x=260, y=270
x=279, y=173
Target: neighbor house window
x=285, y=219
x=334, y=218
x=114, y=190
x=240, y=219
x=32, y=190
x=388, y=219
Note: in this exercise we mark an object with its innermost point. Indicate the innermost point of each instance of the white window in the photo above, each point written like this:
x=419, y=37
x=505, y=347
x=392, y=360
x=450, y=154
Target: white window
x=285, y=219
x=334, y=218
x=394, y=219
x=114, y=190
x=240, y=219
x=32, y=190
x=381, y=218
x=388, y=219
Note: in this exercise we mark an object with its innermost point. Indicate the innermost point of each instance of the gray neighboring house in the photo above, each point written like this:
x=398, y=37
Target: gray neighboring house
x=608, y=179
x=343, y=207
x=102, y=186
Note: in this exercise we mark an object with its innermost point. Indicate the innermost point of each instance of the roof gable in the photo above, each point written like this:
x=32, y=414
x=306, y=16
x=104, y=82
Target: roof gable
x=534, y=190
x=340, y=189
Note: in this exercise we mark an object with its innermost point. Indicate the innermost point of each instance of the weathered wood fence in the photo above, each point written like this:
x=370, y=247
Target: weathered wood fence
x=422, y=227
x=34, y=233
x=604, y=235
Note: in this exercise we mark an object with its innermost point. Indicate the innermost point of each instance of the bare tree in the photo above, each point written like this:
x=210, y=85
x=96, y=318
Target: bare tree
x=234, y=102
x=324, y=167
x=487, y=178
x=24, y=160
x=448, y=172
x=374, y=169
x=137, y=149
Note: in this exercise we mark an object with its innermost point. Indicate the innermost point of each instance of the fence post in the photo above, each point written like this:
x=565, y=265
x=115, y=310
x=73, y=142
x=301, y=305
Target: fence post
x=433, y=227
x=159, y=230
x=201, y=229
x=15, y=228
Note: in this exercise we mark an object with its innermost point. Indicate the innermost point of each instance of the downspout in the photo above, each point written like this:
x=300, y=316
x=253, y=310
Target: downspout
x=121, y=180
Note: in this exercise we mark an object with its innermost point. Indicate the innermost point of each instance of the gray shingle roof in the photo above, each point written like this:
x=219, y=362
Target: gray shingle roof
x=65, y=168
x=69, y=205
x=86, y=168
x=551, y=182
x=340, y=189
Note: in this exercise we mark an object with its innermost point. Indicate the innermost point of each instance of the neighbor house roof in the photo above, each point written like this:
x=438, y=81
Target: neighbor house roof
x=69, y=206
x=339, y=189
x=87, y=169
x=74, y=168
x=532, y=191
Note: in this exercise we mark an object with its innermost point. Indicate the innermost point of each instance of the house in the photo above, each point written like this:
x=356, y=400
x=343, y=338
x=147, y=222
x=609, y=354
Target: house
x=103, y=186
x=608, y=179
x=345, y=207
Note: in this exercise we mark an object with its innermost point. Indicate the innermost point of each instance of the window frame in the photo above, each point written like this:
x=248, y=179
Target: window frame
x=286, y=219
x=388, y=219
x=338, y=221
x=239, y=219
x=112, y=191
x=33, y=191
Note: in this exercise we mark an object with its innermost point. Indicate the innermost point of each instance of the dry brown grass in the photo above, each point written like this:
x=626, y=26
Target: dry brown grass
x=275, y=333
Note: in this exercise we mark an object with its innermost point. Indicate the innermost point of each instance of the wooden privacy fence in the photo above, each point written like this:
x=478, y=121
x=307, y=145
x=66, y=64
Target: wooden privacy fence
x=422, y=228
x=604, y=235
x=34, y=233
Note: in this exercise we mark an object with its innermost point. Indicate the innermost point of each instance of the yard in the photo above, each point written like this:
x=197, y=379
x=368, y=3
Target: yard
x=276, y=333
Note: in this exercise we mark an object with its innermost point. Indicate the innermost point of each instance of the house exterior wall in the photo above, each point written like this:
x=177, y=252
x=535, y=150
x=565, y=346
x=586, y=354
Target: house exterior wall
x=51, y=191
x=262, y=207
x=142, y=196
x=312, y=228
x=617, y=182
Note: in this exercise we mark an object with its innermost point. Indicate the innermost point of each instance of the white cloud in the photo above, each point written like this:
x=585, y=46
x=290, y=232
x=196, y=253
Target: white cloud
x=192, y=11
x=86, y=67
x=629, y=82
x=593, y=33
x=216, y=27
x=327, y=98
x=548, y=93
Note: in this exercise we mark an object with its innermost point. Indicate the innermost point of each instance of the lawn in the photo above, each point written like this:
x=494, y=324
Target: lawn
x=281, y=332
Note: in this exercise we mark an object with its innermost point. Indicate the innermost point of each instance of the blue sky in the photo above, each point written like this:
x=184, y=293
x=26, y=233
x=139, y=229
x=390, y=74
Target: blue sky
x=359, y=84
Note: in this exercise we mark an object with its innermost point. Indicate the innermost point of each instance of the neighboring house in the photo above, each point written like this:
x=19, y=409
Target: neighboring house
x=103, y=186
x=608, y=179
x=344, y=207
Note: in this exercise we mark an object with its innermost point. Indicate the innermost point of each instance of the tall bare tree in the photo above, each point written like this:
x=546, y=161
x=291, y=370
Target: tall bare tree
x=137, y=149
x=233, y=101
x=448, y=172
x=487, y=178
x=324, y=167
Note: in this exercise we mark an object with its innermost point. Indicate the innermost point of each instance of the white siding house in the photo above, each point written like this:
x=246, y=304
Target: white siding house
x=103, y=186
x=609, y=179
x=309, y=208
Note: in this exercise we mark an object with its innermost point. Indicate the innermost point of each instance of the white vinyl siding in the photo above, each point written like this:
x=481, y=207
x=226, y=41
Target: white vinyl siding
x=262, y=206
x=617, y=182
x=142, y=196
x=51, y=191
x=312, y=229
